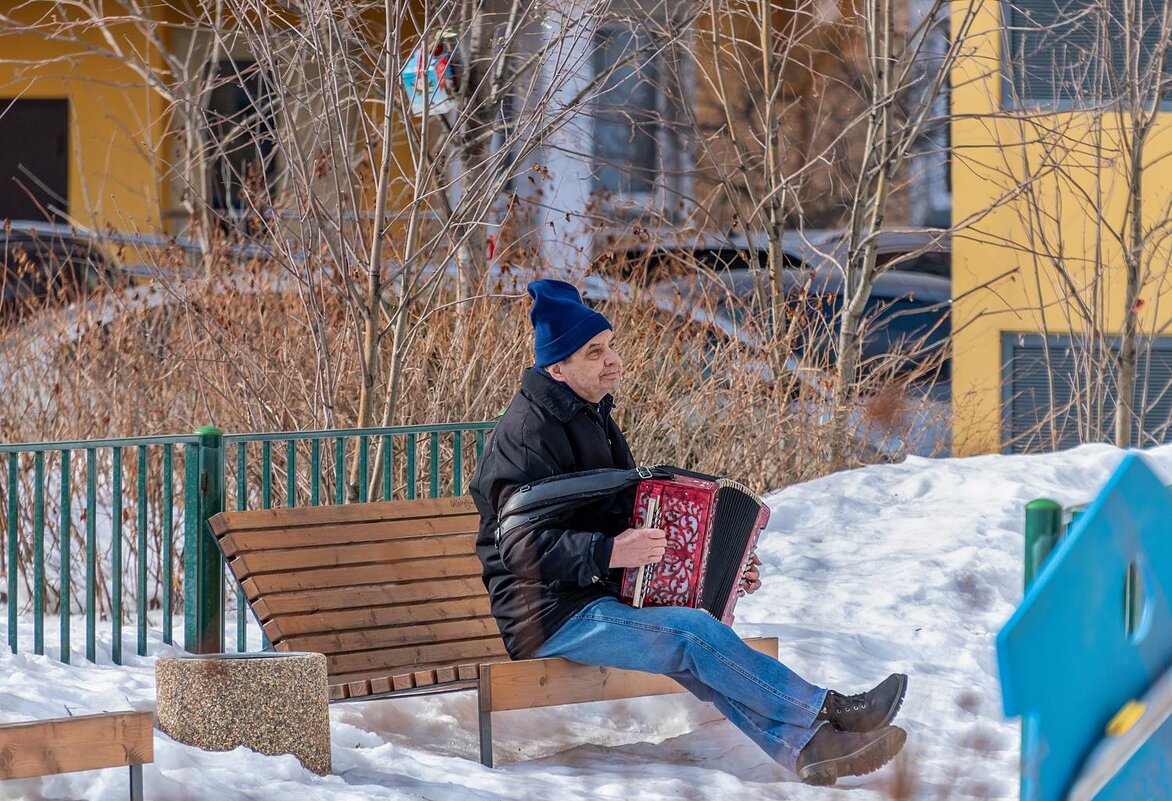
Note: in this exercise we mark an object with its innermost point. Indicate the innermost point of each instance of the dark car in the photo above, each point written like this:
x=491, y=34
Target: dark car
x=907, y=334
x=907, y=314
x=682, y=253
x=43, y=265
x=916, y=250
x=911, y=250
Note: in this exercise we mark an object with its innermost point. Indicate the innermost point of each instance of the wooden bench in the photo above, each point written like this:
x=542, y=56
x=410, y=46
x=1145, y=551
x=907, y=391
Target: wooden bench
x=391, y=594
x=86, y=742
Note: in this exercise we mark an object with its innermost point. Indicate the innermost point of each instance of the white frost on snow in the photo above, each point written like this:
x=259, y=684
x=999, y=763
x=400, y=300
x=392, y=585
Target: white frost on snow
x=911, y=567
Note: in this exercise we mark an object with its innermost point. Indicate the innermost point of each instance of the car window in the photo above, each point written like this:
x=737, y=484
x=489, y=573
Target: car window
x=52, y=268
x=906, y=323
x=23, y=265
x=906, y=326
x=928, y=263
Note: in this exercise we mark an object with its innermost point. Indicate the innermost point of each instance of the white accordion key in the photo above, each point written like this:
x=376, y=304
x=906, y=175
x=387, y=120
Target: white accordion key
x=644, y=570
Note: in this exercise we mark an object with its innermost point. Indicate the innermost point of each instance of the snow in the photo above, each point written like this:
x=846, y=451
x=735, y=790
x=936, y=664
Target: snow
x=911, y=567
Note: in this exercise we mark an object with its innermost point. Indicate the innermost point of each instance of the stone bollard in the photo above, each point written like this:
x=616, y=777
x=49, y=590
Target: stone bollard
x=273, y=703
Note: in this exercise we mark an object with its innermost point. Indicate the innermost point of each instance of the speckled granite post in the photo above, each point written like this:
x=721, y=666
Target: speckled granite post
x=274, y=703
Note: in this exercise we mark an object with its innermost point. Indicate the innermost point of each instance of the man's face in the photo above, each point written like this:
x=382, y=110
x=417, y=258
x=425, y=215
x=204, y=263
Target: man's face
x=593, y=370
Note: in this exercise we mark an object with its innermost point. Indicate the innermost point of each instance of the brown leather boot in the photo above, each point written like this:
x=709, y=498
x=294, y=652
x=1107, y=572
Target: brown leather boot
x=867, y=711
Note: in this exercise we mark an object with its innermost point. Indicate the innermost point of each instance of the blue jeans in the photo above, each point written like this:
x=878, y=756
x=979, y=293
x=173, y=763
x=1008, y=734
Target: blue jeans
x=763, y=698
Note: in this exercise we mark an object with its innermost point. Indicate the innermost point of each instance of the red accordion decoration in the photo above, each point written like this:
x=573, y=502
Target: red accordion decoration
x=712, y=528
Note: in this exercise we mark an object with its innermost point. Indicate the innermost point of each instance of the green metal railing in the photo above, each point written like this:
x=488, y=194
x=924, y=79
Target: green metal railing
x=118, y=536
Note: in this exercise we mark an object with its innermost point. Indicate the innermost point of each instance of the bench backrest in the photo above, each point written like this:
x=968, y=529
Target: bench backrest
x=390, y=592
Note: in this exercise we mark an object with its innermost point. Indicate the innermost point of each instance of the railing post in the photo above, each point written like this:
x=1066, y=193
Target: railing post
x=1043, y=528
x=203, y=564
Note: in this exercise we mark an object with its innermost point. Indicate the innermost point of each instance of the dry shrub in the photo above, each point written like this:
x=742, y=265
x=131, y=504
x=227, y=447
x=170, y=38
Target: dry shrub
x=274, y=354
x=266, y=351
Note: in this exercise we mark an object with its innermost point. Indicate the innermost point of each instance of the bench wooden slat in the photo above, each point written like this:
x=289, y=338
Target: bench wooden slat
x=369, y=639
x=86, y=742
x=391, y=658
x=533, y=683
x=446, y=567
x=382, y=553
x=236, y=541
x=277, y=605
x=374, y=617
x=283, y=518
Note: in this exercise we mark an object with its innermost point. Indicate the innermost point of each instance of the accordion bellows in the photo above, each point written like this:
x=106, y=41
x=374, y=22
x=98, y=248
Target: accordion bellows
x=712, y=527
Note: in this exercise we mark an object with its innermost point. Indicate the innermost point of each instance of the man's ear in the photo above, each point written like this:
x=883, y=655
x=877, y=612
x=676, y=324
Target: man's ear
x=555, y=370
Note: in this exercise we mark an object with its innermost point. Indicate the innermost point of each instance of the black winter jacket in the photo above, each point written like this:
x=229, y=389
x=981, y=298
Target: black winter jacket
x=537, y=581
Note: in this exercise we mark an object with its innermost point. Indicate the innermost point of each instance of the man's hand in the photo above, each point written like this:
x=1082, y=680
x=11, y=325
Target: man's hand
x=638, y=546
x=751, y=578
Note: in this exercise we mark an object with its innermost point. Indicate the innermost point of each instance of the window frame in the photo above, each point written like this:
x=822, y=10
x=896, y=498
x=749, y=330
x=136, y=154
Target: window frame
x=1020, y=340
x=1010, y=102
x=671, y=178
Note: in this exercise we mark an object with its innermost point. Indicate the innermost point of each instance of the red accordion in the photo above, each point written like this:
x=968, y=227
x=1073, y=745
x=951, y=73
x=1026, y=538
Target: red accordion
x=712, y=526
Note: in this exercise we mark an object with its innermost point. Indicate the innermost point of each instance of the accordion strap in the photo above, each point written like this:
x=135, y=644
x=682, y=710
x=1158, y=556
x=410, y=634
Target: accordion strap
x=533, y=505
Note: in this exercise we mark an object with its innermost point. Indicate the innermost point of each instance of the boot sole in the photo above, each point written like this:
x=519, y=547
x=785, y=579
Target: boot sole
x=867, y=759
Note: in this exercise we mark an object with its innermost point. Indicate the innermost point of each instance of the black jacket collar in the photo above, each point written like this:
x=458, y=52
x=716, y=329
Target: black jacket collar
x=561, y=401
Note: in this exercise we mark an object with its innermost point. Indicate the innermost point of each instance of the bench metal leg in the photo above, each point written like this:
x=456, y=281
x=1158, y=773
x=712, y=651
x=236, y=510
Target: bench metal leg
x=486, y=739
x=136, y=783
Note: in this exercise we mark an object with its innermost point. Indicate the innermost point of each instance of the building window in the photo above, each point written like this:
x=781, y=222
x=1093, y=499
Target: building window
x=34, y=161
x=242, y=139
x=1057, y=393
x=1072, y=54
x=628, y=114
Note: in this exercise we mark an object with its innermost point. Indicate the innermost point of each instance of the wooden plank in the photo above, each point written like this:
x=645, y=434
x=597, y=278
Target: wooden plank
x=413, y=656
x=279, y=605
x=533, y=683
x=337, y=692
x=404, y=681
x=446, y=567
x=233, y=542
x=354, y=689
x=278, y=561
x=395, y=636
x=256, y=519
x=424, y=678
x=87, y=742
x=375, y=617
x=445, y=674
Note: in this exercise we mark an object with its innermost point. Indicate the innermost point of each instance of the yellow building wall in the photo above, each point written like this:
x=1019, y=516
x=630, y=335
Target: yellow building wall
x=121, y=146
x=115, y=122
x=1030, y=195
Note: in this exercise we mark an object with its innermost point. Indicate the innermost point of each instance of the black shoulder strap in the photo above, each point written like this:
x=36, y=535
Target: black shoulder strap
x=534, y=504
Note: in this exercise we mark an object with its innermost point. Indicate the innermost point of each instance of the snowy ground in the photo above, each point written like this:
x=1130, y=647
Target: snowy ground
x=911, y=567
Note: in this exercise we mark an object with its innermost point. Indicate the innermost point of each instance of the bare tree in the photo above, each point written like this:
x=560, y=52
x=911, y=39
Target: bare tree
x=1093, y=224
x=815, y=118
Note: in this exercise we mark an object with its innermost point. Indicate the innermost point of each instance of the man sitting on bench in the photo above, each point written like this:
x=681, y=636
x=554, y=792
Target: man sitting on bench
x=554, y=591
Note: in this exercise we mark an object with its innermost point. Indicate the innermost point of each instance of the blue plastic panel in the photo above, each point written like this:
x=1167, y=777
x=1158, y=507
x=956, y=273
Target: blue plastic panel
x=1067, y=662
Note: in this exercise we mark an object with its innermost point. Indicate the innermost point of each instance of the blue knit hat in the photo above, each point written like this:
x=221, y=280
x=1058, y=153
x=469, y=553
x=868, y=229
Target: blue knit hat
x=562, y=323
